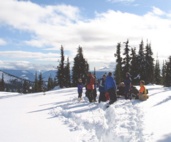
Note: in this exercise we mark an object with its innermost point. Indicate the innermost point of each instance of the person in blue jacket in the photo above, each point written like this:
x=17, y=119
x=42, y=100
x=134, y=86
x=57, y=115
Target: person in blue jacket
x=110, y=87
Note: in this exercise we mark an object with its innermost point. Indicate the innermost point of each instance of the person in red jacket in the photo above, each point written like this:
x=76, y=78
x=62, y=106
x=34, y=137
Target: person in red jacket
x=90, y=87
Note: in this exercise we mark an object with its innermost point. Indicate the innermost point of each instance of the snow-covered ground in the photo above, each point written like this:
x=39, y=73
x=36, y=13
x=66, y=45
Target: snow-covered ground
x=58, y=116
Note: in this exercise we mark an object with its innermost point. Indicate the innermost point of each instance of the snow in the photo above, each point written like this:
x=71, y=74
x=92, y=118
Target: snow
x=59, y=116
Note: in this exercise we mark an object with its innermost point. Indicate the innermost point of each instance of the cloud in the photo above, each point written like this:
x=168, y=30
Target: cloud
x=2, y=42
x=118, y=1
x=35, y=56
x=51, y=26
x=25, y=65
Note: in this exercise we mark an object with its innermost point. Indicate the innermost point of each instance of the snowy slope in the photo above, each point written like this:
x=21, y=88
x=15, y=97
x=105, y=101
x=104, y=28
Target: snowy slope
x=58, y=116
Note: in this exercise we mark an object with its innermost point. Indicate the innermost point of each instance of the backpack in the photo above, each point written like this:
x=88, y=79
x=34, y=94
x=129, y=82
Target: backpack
x=146, y=91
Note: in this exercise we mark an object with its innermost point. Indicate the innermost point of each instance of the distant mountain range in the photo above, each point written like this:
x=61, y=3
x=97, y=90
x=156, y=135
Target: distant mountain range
x=30, y=74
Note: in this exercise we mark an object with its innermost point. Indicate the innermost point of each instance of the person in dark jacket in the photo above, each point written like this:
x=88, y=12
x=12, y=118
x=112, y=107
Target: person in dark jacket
x=134, y=92
x=110, y=87
x=80, y=89
x=102, y=89
x=127, y=83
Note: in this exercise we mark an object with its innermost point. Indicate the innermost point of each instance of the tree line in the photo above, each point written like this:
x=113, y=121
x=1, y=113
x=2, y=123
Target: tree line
x=140, y=64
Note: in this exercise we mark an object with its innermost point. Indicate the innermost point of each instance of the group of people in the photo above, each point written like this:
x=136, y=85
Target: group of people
x=129, y=91
x=109, y=90
x=90, y=86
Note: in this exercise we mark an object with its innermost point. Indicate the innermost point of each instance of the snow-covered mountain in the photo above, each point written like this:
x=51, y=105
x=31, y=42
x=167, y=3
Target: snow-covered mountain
x=23, y=74
x=30, y=74
x=26, y=74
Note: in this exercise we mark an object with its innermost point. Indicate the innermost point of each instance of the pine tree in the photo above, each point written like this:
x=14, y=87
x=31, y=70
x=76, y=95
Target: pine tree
x=2, y=83
x=80, y=67
x=141, y=61
x=40, y=83
x=149, y=65
x=168, y=73
x=25, y=86
x=157, y=75
x=50, y=83
x=36, y=88
x=67, y=74
x=61, y=70
x=164, y=73
x=118, y=70
x=126, y=59
x=134, y=67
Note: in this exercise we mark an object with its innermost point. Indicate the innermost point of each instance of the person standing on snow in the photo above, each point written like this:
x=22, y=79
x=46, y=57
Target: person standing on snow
x=127, y=83
x=110, y=87
x=102, y=89
x=80, y=89
x=90, y=87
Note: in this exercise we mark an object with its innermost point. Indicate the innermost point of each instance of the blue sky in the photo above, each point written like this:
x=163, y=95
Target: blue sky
x=32, y=32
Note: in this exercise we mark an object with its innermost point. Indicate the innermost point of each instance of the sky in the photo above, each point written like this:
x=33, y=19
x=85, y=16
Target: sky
x=59, y=116
x=32, y=32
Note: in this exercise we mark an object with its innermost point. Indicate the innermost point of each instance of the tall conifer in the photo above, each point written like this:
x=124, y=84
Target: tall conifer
x=118, y=70
x=141, y=61
x=134, y=67
x=126, y=59
x=80, y=67
x=61, y=70
x=149, y=64
x=157, y=76
x=168, y=73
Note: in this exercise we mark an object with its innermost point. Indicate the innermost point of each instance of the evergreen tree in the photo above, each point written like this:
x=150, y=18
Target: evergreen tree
x=67, y=74
x=141, y=61
x=2, y=83
x=157, y=76
x=94, y=72
x=25, y=86
x=149, y=65
x=36, y=88
x=118, y=70
x=80, y=68
x=50, y=83
x=61, y=70
x=163, y=80
x=40, y=83
x=168, y=73
x=134, y=67
x=126, y=59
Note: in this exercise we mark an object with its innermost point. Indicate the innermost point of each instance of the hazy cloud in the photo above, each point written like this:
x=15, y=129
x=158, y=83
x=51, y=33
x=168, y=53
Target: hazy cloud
x=116, y=1
x=2, y=42
x=25, y=65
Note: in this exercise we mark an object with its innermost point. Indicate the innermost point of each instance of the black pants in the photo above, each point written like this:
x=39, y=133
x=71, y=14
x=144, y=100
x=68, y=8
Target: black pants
x=102, y=97
x=94, y=94
x=112, y=94
x=79, y=94
x=90, y=96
